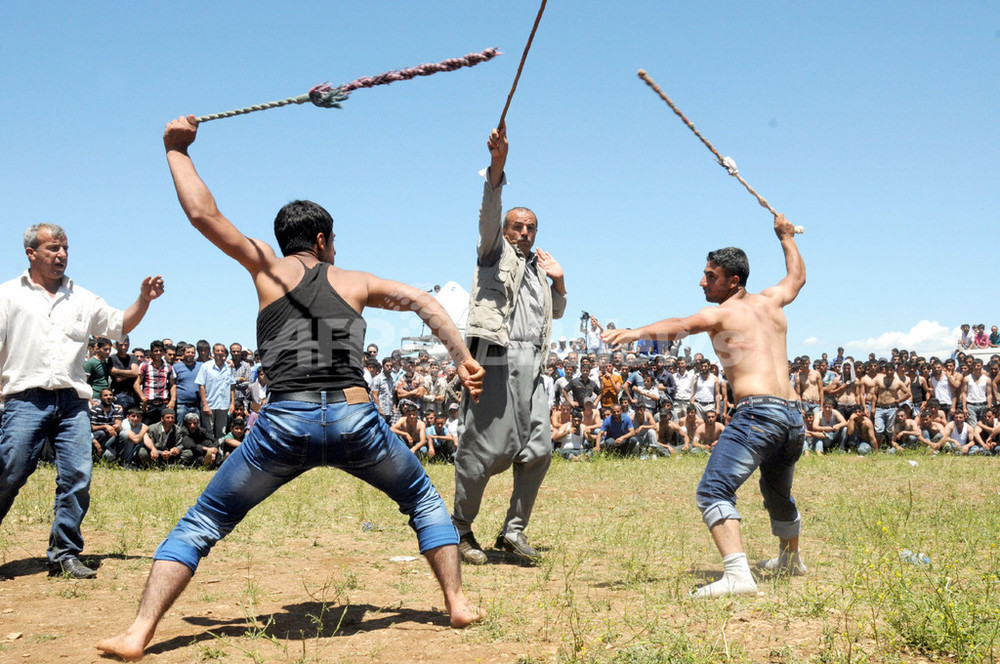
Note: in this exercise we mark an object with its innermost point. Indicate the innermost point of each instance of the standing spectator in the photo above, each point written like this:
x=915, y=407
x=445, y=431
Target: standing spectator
x=435, y=389
x=45, y=321
x=707, y=394
x=684, y=381
x=976, y=393
x=156, y=384
x=124, y=371
x=889, y=392
x=592, y=330
x=808, y=385
x=98, y=368
x=384, y=391
x=185, y=371
x=217, y=392
x=611, y=386
x=242, y=373
x=409, y=386
x=994, y=337
x=944, y=386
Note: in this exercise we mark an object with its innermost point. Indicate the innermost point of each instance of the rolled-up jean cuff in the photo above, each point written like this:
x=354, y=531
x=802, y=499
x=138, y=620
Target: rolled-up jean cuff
x=178, y=552
x=719, y=511
x=437, y=535
x=786, y=529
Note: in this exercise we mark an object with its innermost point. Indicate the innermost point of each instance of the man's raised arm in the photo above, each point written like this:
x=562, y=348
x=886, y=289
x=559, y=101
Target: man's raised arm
x=788, y=288
x=199, y=204
x=490, y=221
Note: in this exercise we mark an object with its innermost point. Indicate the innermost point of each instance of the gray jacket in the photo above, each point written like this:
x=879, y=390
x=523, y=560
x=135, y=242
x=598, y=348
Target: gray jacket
x=495, y=283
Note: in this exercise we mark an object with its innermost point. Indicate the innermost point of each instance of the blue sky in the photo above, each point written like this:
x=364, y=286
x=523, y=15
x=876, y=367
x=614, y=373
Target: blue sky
x=874, y=125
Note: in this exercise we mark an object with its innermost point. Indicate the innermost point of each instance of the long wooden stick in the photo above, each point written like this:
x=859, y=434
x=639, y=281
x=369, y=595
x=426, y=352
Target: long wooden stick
x=725, y=162
x=524, y=56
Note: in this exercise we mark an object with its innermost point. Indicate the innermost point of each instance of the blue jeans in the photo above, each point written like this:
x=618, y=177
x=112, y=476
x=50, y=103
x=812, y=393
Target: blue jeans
x=765, y=435
x=61, y=416
x=289, y=438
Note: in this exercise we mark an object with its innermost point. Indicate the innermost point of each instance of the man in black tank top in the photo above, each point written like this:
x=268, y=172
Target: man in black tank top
x=310, y=333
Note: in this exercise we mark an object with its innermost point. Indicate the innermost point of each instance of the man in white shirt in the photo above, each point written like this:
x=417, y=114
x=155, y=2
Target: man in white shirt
x=45, y=321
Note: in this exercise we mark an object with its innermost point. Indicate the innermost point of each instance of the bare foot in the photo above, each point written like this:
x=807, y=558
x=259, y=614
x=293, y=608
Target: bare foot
x=126, y=645
x=465, y=614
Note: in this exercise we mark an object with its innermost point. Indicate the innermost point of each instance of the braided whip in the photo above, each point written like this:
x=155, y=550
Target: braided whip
x=327, y=96
x=726, y=162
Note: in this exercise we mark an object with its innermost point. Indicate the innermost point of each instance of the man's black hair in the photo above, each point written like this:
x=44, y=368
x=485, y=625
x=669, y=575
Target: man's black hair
x=298, y=223
x=732, y=260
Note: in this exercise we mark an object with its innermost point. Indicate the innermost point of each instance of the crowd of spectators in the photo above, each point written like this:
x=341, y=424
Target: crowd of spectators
x=191, y=404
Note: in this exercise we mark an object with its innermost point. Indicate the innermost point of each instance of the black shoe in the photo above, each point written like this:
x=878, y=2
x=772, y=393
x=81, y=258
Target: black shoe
x=518, y=545
x=73, y=568
x=470, y=550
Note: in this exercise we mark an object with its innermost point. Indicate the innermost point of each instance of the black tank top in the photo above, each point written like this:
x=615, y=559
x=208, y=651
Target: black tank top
x=310, y=339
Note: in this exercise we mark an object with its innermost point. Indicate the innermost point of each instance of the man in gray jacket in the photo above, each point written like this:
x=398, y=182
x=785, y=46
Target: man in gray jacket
x=516, y=292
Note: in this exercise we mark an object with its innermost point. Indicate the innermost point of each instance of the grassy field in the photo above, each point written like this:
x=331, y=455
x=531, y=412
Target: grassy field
x=314, y=575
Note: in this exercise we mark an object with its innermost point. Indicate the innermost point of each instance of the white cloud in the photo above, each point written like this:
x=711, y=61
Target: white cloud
x=926, y=337
x=812, y=341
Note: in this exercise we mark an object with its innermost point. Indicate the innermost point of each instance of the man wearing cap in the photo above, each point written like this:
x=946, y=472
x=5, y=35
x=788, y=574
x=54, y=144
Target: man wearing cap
x=516, y=292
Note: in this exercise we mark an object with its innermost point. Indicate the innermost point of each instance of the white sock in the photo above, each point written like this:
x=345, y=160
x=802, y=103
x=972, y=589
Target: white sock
x=785, y=563
x=736, y=579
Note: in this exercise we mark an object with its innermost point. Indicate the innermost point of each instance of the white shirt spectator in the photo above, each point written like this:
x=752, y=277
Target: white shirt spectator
x=43, y=338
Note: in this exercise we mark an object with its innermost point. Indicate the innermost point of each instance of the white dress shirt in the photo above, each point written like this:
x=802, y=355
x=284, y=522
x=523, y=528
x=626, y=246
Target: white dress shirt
x=43, y=338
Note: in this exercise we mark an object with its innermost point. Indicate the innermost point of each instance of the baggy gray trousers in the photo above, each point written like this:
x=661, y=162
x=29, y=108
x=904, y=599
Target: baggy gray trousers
x=509, y=426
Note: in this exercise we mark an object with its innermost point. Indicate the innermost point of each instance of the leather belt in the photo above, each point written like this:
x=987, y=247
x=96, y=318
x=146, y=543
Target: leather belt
x=351, y=395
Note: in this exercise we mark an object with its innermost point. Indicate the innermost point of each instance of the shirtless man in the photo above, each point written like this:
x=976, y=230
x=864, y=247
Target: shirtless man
x=708, y=432
x=591, y=422
x=861, y=432
x=845, y=389
x=670, y=433
x=413, y=431
x=315, y=399
x=809, y=386
x=561, y=414
x=866, y=388
x=748, y=332
x=989, y=431
x=689, y=426
x=888, y=391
